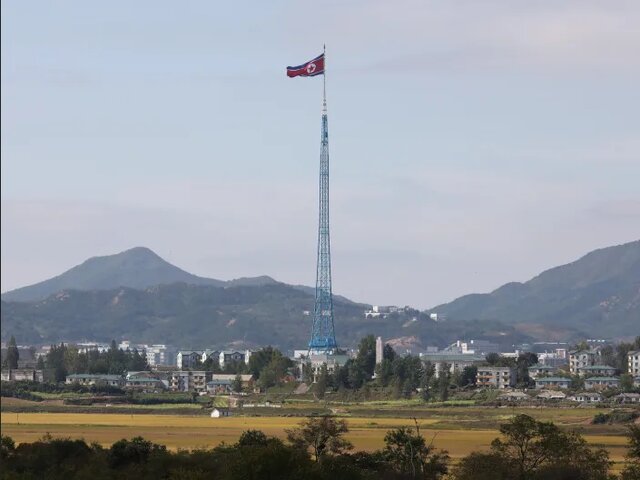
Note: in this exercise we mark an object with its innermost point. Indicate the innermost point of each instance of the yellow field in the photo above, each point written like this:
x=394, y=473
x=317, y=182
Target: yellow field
x=189, y=432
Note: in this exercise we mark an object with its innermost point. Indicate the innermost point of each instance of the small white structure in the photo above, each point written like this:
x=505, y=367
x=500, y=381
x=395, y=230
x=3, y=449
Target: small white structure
x=220, y=412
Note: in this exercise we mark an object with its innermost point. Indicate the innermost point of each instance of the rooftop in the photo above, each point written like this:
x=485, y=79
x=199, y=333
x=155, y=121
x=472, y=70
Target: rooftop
x=553, y=379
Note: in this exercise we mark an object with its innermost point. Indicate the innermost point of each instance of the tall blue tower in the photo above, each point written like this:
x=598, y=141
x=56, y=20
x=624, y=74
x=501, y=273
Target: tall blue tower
x=323, y=336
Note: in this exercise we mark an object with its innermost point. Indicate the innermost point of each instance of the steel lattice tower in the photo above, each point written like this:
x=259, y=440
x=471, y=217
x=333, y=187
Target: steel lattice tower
x=323, y=337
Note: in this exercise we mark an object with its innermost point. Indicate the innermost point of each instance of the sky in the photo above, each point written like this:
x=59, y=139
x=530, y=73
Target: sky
x=471, y=143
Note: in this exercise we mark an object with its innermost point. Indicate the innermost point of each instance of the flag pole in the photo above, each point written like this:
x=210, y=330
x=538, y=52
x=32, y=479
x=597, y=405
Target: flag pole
x=324, y=80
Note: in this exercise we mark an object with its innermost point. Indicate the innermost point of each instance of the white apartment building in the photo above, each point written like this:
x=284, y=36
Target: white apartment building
x=582, y=358
x=496, y=377
x=634, y=362
x=454, y=362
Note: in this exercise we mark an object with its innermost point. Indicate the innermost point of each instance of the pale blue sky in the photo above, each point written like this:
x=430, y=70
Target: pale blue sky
x=472, y=143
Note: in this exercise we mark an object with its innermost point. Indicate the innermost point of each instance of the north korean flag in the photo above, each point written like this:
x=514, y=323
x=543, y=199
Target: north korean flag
x=310, y=69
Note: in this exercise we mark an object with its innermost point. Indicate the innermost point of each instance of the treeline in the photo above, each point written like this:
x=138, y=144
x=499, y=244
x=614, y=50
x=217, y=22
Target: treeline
x=63, y=360
x=403, y=375
x=317, y=449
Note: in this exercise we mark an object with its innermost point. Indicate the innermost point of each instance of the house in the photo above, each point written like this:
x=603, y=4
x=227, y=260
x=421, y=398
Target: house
x=636, y=381
x=553, y=382
x=22, y=374
x=596, y=370
x=189, y=381
x=587, y=397
x=453, y=362
x=582, y=358
x=95, y=379
x=551, y=395
x=219, y=386
x=231, y=356
x=219, y=412
x=600, y=383
x=223, y=383
x=496, y=377
x=539, y=370
x=633, y=362
x=317, y=360
x=514, y=396
x=188, y=358
x=213, y=354
x=633, y=398
x=143, y=381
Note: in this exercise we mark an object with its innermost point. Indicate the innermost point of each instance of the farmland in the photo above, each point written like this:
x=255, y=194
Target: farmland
x=459, y=430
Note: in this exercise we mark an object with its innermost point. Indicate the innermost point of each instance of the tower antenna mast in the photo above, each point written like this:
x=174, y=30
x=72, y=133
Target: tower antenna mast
x=323, y=337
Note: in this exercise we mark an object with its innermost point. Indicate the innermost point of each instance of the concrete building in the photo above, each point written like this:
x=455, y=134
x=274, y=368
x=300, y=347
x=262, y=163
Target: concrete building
x=587, y=397
x=553, y=382
x=158, y=354
x=95, y=379
x=633, y=363
x=582, y=358
x=189, y=381
x=600, y=383
x=539, y=370
x=496, y=377
x=627, y=398
x=143, y=381
x=454, y=362
x=231, y=356
x=474, y=347
x=22, y=374
x=317, y=360
x=188, y=358
x=596, y=370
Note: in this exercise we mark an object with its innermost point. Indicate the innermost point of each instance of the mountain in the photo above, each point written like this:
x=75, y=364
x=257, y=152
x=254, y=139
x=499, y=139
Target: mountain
x=137, y=268
x=599, y=294
x=208, y=316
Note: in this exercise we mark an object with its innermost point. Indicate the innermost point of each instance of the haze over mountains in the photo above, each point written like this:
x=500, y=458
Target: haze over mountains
x=137, y=295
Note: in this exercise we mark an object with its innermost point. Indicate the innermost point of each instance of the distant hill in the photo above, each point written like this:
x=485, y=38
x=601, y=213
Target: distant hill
x=137, y=268
x=199, y=316
x=599, y=294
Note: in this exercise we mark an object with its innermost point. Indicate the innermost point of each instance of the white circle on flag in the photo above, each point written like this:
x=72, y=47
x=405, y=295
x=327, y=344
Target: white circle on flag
x=311, y=68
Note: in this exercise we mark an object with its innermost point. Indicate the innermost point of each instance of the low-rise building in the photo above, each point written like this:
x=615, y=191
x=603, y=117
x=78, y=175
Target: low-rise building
x=636, y=381
x=95, y=379
x=596, y=371
x=582, y=358
x=223, y=383
x=600, y=383
x=553, y=382
x=332, y=361
x=188, y=358
x=143, y=381
x=189, y=381
x=587, y=397
x=539, y=370
x=551, y=395
x=496, y=377
x=22, y=374
x=514, y=396
x=627, y=398
x=633, y=363
x=453, y=362
x=231, y=356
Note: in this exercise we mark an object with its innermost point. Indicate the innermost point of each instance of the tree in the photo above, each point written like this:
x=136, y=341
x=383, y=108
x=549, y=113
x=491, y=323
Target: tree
x=626, y=382
x=540, y=449
x=252, y=438
x=523, y=362
x=366, y=359
x=468, y=376
x=407, y=450
x=13, y=355
x=632, y=470
x=322, y=382
x=236, y=385
x=322, y=435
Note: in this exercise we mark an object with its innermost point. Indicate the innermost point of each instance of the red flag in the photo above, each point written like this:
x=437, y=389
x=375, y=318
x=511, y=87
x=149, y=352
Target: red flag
x=310, y=69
